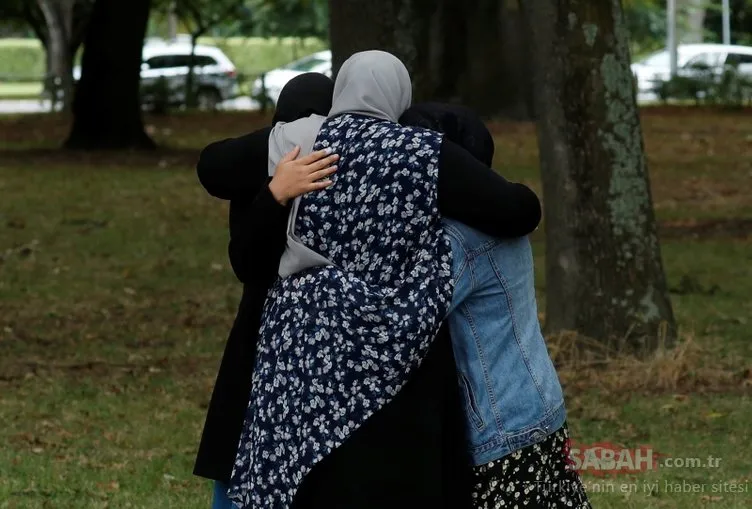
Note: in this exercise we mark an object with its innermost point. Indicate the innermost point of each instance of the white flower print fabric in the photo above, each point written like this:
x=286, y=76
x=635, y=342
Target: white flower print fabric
x=337, y=343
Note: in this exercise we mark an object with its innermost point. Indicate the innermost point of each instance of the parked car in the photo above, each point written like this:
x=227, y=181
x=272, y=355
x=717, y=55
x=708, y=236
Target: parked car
x=272, y=82
x=165, y=69
x=691, y=59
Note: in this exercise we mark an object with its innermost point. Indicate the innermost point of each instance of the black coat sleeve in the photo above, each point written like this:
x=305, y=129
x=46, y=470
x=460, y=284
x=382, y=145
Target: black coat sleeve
x=226, y=168
x=235, y=169
x=258, y=234
x=474, y=194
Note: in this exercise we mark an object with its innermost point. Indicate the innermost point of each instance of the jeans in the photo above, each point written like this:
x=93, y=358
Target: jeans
x=220, y=500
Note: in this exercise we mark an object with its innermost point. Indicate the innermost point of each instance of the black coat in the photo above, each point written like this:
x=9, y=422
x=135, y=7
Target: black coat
x=224, y=419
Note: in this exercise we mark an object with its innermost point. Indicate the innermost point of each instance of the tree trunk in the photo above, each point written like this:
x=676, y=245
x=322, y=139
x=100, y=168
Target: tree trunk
x=58, y=16
x=695, y=12
x=464, y=51
x=172, y=22
x=604, y=274
x=107, y=109
x=190, y=78
x=359, y=25
x=79, y=25
x=48, y=82
x=496, y=76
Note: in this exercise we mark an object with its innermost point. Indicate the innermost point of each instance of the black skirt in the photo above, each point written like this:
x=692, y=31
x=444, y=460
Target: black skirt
x=536, y=477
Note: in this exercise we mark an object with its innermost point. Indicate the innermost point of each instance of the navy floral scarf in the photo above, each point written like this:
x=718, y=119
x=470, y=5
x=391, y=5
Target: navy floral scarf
x=337, y=343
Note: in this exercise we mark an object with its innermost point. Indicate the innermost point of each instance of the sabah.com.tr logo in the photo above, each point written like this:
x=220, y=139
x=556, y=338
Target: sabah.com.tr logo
x=606, y=459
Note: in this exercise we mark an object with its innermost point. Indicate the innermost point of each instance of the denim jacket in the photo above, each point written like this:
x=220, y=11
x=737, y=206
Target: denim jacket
x=511, y=391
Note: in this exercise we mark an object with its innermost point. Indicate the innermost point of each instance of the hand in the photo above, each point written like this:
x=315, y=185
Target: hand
x=293, y=178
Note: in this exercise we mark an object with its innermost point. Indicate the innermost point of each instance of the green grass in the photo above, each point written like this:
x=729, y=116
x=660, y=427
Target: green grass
x=680, y=428
x=116, y=298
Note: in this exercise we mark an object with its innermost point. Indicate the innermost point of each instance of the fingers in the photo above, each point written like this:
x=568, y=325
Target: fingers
x=320, y=174
x=317, y=186
x=316, y=156
x=290, y=156
x=322, y=164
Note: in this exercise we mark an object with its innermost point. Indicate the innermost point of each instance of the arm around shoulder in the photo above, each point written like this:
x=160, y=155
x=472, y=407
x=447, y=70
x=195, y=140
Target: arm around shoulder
x=474, y=194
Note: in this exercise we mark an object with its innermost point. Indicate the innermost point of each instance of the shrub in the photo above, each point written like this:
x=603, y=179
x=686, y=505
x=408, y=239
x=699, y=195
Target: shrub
x=21, y=60
x=254, y=55
x=729, y=88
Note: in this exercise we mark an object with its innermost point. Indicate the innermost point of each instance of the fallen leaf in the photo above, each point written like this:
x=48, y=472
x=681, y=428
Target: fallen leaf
x=110, y=486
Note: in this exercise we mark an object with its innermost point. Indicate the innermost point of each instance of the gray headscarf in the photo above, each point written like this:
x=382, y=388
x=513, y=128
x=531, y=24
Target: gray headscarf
x=372, y=83
x=282, y=139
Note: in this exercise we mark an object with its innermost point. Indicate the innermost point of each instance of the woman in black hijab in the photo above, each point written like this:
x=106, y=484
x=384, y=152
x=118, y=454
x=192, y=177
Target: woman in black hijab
x=458, y=123
x=222, y=162
x=305, y=95
x=529, y=474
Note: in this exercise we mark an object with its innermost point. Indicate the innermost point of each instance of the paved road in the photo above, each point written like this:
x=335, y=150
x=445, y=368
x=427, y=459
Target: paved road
x=25, y=106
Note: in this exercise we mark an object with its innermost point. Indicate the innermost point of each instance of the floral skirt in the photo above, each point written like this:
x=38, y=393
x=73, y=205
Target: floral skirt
x=536, y=477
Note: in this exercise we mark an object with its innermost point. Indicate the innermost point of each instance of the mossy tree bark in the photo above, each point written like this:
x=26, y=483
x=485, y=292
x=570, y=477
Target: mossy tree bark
x=604, y=274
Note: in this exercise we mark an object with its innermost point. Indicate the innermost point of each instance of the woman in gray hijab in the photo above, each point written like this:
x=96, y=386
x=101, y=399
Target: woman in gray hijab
x=344, y=328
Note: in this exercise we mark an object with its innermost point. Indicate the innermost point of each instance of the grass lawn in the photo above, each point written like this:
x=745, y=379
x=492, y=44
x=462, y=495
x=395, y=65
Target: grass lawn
x=116, y=298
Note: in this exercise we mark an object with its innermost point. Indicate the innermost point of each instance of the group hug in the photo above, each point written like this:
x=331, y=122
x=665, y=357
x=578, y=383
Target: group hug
x=387, y=351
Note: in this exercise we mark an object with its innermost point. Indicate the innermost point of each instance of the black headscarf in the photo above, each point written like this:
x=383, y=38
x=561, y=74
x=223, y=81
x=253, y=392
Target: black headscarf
x=304, y=95
x=458, y=123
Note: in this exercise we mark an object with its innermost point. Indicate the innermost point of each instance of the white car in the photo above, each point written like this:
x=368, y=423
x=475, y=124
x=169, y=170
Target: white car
x=656, y=68
x=273, y=81
x=215, y=76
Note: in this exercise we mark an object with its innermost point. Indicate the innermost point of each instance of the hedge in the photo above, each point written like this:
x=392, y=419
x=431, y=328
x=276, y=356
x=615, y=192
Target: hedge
x=24, y=59
x=253, y=56
x=21, y=59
